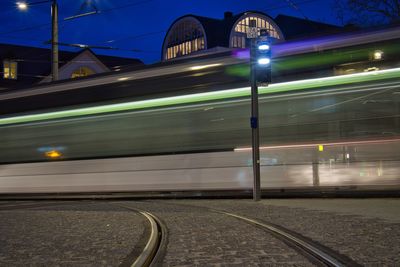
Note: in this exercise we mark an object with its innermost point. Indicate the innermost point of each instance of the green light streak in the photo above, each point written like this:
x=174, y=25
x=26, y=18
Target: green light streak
x=209, y=96
x=334, y=57
x=322, y=59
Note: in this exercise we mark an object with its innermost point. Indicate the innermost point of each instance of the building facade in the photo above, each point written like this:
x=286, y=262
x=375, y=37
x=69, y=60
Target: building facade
x=191, y=34
x=24, y=66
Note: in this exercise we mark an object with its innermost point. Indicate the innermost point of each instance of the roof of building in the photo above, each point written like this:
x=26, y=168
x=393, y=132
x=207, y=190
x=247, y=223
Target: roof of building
x=218, y=30
x=34, y=62
x=293, y=27
x=213, y=28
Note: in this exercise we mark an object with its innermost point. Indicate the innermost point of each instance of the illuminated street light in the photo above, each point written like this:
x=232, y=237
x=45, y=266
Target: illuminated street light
x=23, y=6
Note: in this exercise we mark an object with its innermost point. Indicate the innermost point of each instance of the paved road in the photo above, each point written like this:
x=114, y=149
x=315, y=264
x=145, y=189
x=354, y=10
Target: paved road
x=86, y=233
x=366, y=230
x=199, y=237
x=81, y=234
x=379, y=208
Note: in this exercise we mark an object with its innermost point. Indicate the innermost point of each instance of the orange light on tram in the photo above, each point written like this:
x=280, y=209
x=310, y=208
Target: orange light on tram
x=320, y=148
x=53, y=154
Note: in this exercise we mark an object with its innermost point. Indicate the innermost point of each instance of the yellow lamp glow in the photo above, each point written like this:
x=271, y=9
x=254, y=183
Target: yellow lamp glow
x=53, y=154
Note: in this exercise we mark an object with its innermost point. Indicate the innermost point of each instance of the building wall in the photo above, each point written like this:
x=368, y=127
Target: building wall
x=194, y=35
x=238, y=35
x=186, y=36
x=83, y=60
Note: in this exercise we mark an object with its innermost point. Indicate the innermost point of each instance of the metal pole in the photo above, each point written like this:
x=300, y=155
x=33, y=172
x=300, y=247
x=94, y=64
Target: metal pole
x=54, y=40
x=315, y=168
x=254, y=123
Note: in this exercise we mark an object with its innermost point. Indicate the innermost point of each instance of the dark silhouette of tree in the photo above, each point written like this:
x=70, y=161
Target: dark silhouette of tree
x=368, y=12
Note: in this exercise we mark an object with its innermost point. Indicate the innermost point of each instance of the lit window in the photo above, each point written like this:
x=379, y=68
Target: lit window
x=82, y=72
x=185, y=48
x=238, y=38
x=185, y=38
x=9, y=69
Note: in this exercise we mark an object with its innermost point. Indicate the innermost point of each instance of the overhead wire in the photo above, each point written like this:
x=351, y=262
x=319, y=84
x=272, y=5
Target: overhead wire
x=296, y=7
x=99, y=11
x=124, y=6
x=138, y=36
x=293, y=3
x=164, y=31
x=26, y=28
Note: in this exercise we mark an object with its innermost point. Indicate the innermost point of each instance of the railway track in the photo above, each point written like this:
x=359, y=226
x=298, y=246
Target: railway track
x=315, y=252
x=154, y=248
x=152, y=253
x=30, y=205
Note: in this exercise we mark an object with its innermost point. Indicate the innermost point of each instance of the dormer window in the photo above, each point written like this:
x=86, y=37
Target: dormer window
x=82, y=72
x=10, y=69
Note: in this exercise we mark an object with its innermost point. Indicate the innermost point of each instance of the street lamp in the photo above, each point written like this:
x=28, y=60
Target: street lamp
x=23, y=6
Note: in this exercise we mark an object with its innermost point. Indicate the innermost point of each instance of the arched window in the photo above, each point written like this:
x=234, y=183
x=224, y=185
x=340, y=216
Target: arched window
x=82, y=72
x=185, y=37
x=238, y=33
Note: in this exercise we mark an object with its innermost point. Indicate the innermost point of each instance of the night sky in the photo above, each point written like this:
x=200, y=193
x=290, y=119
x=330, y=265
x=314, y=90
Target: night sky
x=135, y=24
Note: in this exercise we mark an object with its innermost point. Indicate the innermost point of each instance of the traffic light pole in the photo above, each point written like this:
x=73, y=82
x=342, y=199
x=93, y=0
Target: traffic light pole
x=254, y=122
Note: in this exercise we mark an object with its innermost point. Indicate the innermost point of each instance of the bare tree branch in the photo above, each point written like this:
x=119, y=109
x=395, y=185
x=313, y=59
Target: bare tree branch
x=367, y=12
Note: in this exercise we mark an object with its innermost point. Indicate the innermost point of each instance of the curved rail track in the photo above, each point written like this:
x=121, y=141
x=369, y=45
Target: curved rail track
x=154, y=249
x=152, y=253
x=315, y=252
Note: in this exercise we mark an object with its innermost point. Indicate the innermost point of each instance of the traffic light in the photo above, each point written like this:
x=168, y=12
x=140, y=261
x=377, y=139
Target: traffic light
x=263, y=58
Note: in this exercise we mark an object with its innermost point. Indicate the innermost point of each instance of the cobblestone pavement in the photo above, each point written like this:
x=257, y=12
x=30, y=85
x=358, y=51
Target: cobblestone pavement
x=80, y=234
x=387, y=209
x=346, y=225
x=198, y=237
x=84, y=233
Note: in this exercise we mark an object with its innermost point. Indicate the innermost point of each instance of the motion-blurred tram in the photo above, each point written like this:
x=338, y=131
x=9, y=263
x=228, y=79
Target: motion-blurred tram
x=187, y=129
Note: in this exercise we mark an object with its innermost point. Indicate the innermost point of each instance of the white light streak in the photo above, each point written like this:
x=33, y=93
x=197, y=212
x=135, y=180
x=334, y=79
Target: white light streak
x=312, y=145
x=205, y=66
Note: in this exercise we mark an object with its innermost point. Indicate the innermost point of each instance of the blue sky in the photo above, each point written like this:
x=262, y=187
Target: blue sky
x=136, y=24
